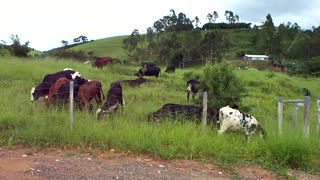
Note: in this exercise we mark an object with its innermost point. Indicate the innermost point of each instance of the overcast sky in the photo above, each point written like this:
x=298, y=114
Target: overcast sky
x=46, y=22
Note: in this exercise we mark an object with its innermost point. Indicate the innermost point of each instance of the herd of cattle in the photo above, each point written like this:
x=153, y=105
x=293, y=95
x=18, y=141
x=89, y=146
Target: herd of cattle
x=55, y=89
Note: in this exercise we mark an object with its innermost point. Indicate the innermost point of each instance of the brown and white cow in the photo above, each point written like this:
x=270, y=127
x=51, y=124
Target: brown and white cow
x=88, y=91
x=43, y=88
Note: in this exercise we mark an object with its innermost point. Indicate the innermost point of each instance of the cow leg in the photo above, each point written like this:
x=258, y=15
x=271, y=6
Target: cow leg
x=224, y=126
x=188, y=94
x=90, y=108
x=193, y=96
x=98, y=98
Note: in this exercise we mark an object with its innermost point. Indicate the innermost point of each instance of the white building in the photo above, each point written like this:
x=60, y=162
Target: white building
x=255, y=57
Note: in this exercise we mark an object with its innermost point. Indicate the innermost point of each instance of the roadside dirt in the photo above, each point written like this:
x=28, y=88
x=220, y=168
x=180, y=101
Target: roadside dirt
x=21, y=163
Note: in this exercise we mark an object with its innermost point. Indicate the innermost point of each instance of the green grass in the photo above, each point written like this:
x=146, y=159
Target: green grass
x=104, y=47
x=33, y=125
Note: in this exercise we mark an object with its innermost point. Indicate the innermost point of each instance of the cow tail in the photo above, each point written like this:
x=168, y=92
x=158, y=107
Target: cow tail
x=263, y=132
x=100, y=90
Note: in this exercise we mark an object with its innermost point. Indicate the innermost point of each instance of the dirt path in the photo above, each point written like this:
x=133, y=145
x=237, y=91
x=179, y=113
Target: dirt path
x=19, y=163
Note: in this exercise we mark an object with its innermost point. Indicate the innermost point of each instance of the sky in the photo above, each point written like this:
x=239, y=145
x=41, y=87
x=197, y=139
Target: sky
x=45, y=23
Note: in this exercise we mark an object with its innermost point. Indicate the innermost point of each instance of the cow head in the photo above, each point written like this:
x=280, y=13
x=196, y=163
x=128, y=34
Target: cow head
x=79, y=80
x=35, y=94
x=32, y=94
x=139, y=73
x=153, y=117
x=101, y=112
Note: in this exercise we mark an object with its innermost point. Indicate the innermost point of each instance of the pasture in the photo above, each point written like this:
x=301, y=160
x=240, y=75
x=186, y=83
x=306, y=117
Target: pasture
x=35, y=126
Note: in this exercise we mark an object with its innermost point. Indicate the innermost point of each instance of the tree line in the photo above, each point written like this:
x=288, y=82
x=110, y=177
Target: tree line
x=176, y=38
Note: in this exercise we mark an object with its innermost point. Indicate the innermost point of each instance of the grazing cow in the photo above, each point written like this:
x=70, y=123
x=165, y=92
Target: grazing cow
x=233, y=119
x=113, y=101
x=43, y=88
x=88, y=91
x=170, y=69
x=147, y=65
x=175, y=110
x=192, y=88
x=134, y=83
x=102, y=61
x=150, y=71
x=54, y=89
x=189, y=112
x=63, y=93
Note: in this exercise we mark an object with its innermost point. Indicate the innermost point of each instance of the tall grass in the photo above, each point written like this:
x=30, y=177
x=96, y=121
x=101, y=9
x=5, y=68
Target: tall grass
x=34, y=125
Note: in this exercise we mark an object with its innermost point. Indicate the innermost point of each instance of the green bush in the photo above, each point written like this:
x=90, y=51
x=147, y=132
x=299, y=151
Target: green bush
x=69, y=54
x=224, y=86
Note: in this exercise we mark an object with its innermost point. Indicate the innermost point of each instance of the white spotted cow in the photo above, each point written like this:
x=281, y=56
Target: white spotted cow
x=234, y=120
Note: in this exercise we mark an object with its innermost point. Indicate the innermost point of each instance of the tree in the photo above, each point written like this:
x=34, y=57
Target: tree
x=197, y=21
x=173, y=19
x=210, y=17
x=191, y=44
x=268, y=30
x=134, y=45
x=76, y=40
x=18, y=49
x=214, y=45
x=168, y=45
x=64, y=43
x=215, y=16
x=83, y=38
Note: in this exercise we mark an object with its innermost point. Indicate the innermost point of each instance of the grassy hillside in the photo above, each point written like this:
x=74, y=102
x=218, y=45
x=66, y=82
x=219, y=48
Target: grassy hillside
x=104, y=47
x=240, y=40
x=34, y=125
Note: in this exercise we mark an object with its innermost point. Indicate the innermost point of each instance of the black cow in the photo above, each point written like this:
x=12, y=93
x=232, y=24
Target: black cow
x=147, y=65
x=173, y=111
x=188, y=112
x=192, y=88
x=133, y=83
x=43, y=88
x=114, y=99
x=150, y=71
x=170, y=69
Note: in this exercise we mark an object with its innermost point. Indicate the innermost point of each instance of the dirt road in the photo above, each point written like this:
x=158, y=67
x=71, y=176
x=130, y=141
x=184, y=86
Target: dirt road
x=21, y=163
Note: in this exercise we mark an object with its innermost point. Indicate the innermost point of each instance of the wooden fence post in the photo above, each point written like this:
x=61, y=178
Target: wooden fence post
x=318, y=109
x=71, y=103
x=204, y=111
x=306, y=115
x=280, y=106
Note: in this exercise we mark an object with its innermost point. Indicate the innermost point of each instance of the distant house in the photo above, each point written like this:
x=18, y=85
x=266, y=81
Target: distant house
x=254, y=57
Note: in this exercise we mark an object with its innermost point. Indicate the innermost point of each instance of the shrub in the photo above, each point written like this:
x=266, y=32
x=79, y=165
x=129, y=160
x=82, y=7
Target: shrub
x=69, y=54
x=224, y=87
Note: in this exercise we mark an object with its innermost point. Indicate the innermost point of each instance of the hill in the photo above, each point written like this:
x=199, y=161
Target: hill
x=104, y=47
x=112, y=46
